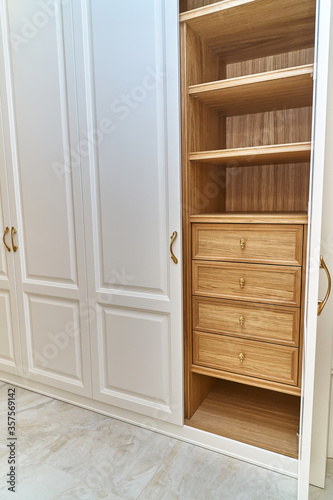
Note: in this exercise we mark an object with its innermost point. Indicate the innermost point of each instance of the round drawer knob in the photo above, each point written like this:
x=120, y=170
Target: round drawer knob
x=242, y=282
x=242, y=243
x=241, y=320
x=241, y=357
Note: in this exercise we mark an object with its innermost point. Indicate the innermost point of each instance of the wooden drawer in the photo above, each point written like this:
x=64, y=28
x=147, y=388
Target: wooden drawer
x=263, y=322
x=266, y=243
x=261, y=360
x=269, y=284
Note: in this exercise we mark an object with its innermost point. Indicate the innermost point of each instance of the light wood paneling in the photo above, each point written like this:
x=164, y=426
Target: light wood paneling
x=269, y=188
x=287, y=88
x=267, y=284
x=262, y=322
x=264, y=243
x=254, y=416
x=196, y=193
x=286, y=126
x=246, y=29
x=261, y=360
x=270, y=63
x=194, y=4
x=260, y=155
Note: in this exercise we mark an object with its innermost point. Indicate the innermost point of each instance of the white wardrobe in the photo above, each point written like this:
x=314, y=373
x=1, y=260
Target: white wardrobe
x=90, y=212
x=90, y=303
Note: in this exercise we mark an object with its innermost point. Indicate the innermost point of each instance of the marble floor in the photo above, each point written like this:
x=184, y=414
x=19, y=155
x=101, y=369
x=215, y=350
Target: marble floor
x=68, y=453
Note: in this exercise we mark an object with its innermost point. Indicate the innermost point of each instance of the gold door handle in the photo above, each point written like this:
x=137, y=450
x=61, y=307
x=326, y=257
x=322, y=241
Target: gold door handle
x=13, y=232
x=242, y=243
x=322, y=303
x=173, y=237
x=6, y=231
x=241, y=357
x=241, y=320
x=242, y=282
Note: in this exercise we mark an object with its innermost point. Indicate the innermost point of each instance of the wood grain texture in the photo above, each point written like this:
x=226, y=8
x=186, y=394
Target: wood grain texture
x=205, y=371
x=261, y=360
x=274, y=127
x=259, y=155
x=270, y=63
x=247, y=29
x=266, y=284
x=269, y=188
x=195, y=182
x=302, y=317
x=263, y=243
x=185, y=5
x=287, y=88
x=252, y=218
x=279, y=325
x=254, y=416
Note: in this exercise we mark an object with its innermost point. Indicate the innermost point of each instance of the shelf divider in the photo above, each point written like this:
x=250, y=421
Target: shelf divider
x=260, y=155
x=286, y=88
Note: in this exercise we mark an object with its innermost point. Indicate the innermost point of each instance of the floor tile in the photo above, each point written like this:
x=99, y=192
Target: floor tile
x=193, y=473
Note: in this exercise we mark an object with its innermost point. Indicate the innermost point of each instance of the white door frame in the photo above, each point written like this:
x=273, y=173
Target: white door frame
x=323, y=31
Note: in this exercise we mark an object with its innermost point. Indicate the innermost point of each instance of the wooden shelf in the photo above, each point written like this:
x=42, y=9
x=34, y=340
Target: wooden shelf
x=260, y=155
x=287, y=88
x=239, y=29
x=243, y=379
x=253, y=218
x=254, y=416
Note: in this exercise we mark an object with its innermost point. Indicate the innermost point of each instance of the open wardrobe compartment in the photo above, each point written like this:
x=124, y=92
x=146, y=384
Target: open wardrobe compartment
x=247, y=91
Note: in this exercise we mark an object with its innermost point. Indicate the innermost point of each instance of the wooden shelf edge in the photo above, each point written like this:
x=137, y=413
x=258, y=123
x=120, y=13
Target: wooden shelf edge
x=259, y=155
x=304, y=70
x=252, y=218
x=211, y=9
x=270, y=91
x=251, y=381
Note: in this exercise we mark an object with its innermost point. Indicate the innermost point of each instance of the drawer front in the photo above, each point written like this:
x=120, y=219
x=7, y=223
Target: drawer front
x=249, y=282
x=259, y=359
x=252, y=321
x=271, y=244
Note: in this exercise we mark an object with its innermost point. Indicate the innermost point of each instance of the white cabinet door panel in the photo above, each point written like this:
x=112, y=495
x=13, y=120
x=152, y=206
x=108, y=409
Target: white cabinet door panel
x=129, y=199
x=124, y=355
x=132, y=199
x=46, y=191
x=10, y=351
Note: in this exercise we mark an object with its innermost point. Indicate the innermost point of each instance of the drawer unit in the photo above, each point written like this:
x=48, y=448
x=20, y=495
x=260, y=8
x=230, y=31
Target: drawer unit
x=249, y=282
x=262, y=322
x=246, y=357
x=263, y=243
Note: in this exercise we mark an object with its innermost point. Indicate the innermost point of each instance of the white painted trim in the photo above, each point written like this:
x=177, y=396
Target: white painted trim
x=240, y=451
x=314, y=241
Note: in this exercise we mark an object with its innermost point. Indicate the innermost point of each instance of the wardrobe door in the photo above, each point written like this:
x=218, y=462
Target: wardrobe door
x=132, y=193
x=10, y=356
x=318, y=332
x=45, y=192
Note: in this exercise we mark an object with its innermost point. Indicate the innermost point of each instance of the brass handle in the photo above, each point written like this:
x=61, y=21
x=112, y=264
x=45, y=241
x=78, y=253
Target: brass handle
x=242, y=282
x=322, y=303
x=241, y=320
x=6, y=231
x=13, y=232
x=242, y=243
x=241, y=357
x=173, y=237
